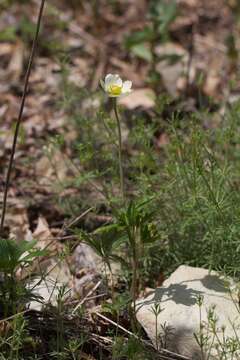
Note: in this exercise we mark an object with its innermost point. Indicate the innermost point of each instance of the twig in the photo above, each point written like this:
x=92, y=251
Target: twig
x=174, y=356
x=29, y=68
x=87, y=296
x=115, y=324
x=79, y=217
x=104, y=338
x=14, y=316
x=162, y=352
x=96, y=296
x=72, y=302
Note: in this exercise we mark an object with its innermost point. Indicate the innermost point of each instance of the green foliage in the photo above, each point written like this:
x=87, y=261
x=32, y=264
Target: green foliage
x=13, y=256
x=51, y=46
x=5, y=4
x=104, y=241
x=182, y=201
x=138, y=43
x=136, y=217
x=95, y=151
x=193, y=179
x=12, y=344
x=162, y=13
x=119, y=304
x=25, y=29
x=131, y=349
x=194, y=182
x=142, y=42
x=134, y=229
x=74, y=346
x=199, y=197
x=8, y=34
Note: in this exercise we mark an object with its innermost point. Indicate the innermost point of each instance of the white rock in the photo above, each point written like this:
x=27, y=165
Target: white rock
x=48, y=290
x=181, y=314
x=57, y=277
x=89, y=268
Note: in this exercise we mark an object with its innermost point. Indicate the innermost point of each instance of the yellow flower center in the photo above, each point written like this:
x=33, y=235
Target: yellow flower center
x=115, y=90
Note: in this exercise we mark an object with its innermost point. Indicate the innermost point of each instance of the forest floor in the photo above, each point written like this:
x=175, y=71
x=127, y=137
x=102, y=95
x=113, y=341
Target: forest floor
x=195, y=61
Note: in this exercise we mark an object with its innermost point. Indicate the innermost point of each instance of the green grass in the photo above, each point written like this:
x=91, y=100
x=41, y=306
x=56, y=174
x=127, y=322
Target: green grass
x=194, y=179
x=199, y=196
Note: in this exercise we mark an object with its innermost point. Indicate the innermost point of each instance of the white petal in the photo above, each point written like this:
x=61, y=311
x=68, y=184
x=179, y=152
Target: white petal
x=126, y=88
x=112, y=80
x=102, y=84
x=108, y=77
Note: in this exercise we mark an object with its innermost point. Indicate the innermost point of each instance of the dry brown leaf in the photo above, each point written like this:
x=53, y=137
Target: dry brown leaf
x=172, y=73
x=212, y=83
x=43, y=234
x=17, y=220
x=6, y=49
x=15, y=66
x=52, y=168
x=162, y=141
x=139, y=98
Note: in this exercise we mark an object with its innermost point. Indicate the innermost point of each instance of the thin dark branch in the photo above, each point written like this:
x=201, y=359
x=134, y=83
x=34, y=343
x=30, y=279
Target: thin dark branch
x=29, y=68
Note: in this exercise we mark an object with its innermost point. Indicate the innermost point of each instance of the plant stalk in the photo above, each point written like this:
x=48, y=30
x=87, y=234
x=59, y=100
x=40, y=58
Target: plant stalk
x=135, y=277
x=19, y=120
x=134, y=283
x=156, y=331
x=119, y=147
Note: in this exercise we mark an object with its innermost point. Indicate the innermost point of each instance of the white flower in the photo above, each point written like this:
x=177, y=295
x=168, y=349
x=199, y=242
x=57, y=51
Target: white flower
x=114, y=86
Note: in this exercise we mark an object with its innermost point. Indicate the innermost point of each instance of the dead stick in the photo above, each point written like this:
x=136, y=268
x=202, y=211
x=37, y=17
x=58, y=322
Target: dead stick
x=29, y=68
x=167, y=352
x=86, y=297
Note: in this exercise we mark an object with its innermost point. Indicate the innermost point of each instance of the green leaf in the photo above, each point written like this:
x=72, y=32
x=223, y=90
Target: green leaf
x=163, y=13
x=12, y=254
x=8, y=34
x=172, y=59
x=139, y=37
x=9, y=255
x=104, y=241
x=142, y=51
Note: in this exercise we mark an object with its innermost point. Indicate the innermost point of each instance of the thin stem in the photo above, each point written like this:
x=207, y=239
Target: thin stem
x=135, y=277
x=134, y=282
x=156, y=330
x=119, y=146
x=28, y=72
x=201, y=333
x=111, y=278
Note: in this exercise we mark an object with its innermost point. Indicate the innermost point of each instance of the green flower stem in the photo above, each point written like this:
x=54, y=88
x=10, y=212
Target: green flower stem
x=135, y=266
x=119, y=146
x=134, y=282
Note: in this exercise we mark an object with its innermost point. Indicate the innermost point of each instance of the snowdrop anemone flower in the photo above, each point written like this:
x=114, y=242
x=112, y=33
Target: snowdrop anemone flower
x=115, y=87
